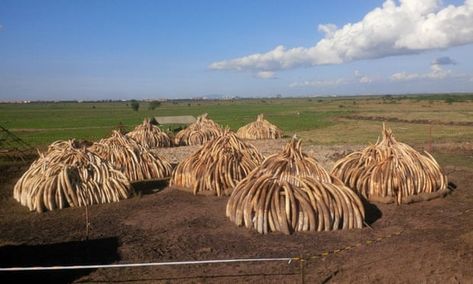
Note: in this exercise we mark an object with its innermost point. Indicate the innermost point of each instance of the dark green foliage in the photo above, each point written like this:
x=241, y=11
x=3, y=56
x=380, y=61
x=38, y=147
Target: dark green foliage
x=153, y=105
x=135, y=105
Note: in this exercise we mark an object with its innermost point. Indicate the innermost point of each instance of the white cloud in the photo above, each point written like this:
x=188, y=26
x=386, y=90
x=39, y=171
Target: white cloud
x=436, y=73
x=362, y=78
x=396, y=28
x=319, y=83
x=265, y=74
x=365, y=80
x=404, y=76
x=358, y=77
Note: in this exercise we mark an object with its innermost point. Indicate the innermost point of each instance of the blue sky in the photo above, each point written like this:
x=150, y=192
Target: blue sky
x=181, y=49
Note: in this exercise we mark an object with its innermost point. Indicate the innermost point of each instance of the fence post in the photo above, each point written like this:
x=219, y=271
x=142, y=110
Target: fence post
x=430, y=136
x=87, y=223
x=301, y=264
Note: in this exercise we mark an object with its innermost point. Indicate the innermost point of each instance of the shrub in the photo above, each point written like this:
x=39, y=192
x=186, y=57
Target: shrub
x=135, y=105
x=154, y=104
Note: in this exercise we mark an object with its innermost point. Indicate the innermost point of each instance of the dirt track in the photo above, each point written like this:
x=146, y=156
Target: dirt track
x=435, y=243
x=416, y=121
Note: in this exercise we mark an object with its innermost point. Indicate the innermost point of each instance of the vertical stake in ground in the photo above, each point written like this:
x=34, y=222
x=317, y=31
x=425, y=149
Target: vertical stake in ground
x=301, y=264
x=430, y=137
x=87, y=224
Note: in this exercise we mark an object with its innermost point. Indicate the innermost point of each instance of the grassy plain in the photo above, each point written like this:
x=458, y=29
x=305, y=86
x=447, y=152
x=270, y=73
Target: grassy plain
x=316, y=120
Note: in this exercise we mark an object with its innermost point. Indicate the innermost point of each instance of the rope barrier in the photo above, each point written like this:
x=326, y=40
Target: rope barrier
x=214, y=261
x=347, y=248
x=123, y=265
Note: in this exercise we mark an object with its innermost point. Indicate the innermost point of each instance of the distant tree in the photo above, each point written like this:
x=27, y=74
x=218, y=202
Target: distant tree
x=135, y=105
x=449, y=100
x=154, y=104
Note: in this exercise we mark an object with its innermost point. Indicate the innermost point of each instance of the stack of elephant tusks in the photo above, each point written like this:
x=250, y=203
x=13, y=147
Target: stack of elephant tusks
x=149, y=135
x=135, y=161
x=259, y=129
x=290, y=192
x=218, y=166
x=198, y=133
x=69, y=175
x=391, y=171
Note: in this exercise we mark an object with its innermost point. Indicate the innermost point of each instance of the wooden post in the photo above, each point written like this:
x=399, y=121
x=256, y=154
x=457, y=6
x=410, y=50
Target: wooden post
x=301, y=264
x=430, y=137
x=87, y=224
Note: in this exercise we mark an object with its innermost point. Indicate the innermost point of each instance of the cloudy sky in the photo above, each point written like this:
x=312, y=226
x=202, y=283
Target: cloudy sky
x=179, y=48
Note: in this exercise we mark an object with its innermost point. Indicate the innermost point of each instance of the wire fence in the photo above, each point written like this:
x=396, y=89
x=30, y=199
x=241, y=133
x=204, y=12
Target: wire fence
x=302, y=260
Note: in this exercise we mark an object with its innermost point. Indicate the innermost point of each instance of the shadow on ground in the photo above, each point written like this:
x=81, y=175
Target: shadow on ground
x=99, y=251
x=372, y=212
x=149, y=186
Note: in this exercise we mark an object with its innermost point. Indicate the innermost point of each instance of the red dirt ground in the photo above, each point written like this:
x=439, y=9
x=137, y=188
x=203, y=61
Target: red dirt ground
x=435, y=243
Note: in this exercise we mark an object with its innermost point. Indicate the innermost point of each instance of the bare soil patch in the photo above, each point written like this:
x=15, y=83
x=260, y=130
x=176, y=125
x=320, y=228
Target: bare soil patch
x=416, y=121
x=421, y=242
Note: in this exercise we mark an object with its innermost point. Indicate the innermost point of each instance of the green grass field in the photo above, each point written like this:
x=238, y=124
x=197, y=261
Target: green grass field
x=316, y=120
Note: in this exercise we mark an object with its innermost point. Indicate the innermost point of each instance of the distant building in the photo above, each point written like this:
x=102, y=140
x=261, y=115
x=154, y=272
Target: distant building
x=175, y=120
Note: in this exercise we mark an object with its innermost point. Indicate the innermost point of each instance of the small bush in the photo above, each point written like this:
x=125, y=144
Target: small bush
x=135, y=105
x=450, y=100
x=154, y=104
